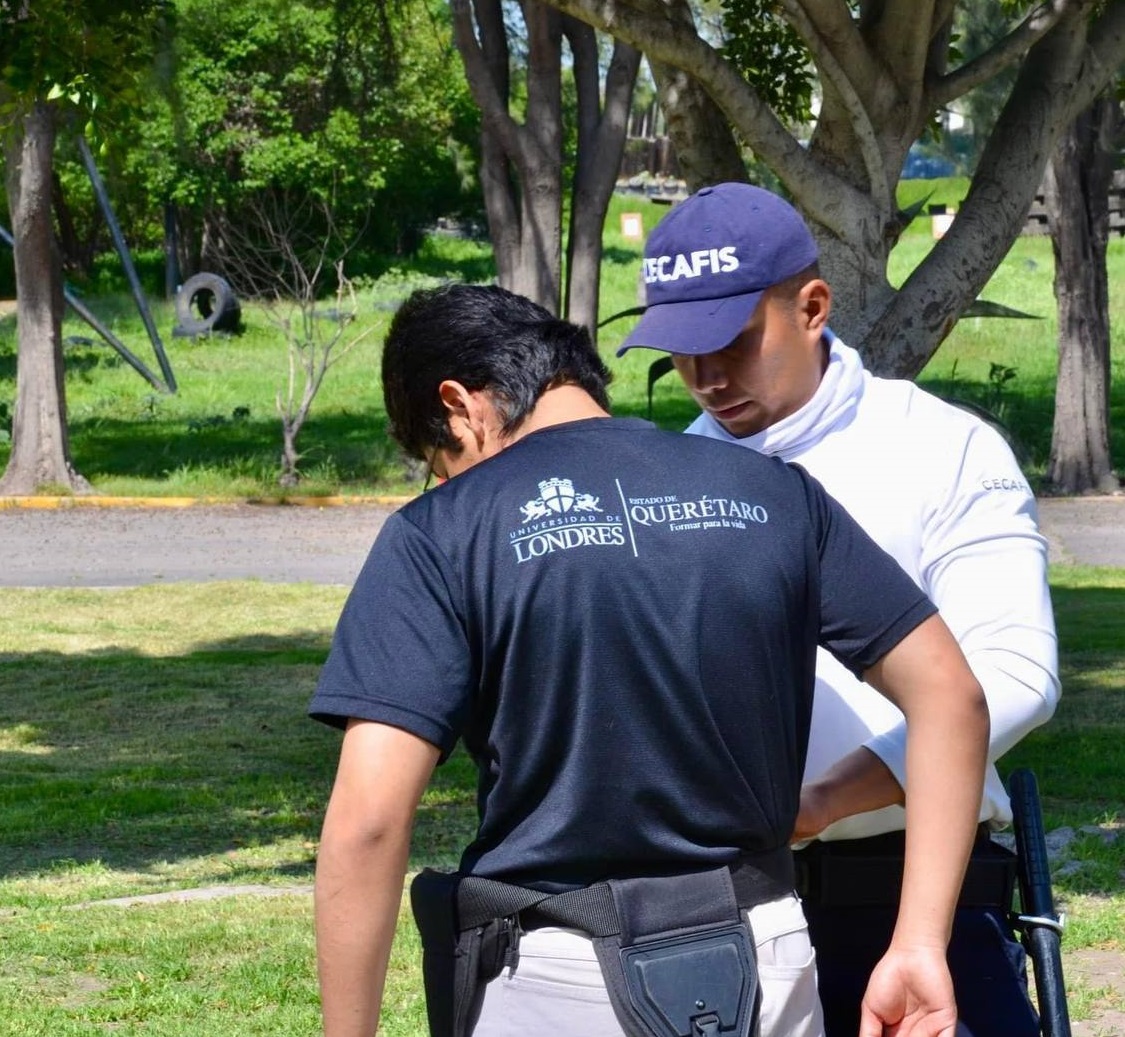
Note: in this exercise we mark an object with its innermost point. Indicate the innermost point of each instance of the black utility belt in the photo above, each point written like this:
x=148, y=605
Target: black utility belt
x=754, y=879
x=676, y=951
x=868, y=873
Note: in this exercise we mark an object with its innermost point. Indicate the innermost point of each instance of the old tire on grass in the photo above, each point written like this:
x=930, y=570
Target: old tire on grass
x=207, y=303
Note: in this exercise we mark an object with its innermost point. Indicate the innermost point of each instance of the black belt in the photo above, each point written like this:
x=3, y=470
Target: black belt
x=868, y=872
x=756, y=878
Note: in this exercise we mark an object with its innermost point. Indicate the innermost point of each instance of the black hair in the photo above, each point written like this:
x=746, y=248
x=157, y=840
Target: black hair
x=488, y=339
x=790, y=287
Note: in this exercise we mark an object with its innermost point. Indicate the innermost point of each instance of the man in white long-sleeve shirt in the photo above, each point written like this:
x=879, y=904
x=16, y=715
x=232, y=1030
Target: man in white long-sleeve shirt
x=734, y=294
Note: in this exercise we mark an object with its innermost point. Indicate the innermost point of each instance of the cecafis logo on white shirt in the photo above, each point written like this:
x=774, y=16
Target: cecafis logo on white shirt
x=691, y=264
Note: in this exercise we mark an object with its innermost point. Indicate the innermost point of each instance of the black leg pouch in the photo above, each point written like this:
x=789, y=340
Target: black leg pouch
x=683, y=964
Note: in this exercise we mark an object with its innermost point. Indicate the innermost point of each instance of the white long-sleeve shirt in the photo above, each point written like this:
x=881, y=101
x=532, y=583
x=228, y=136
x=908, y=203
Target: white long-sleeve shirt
x=939, y=490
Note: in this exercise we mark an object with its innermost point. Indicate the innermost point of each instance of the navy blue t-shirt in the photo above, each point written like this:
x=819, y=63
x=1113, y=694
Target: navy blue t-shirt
x=621, y=623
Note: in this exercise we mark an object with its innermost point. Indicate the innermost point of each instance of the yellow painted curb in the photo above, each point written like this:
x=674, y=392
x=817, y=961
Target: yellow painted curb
x=326, y=502
x=59, y=503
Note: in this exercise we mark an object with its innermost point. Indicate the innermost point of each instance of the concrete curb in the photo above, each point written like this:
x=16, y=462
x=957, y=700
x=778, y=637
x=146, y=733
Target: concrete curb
x=59, y=503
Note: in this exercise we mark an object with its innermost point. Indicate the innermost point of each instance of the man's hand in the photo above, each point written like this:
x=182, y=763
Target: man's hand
x=815, y=813
x=910, y=994
x=855, y=784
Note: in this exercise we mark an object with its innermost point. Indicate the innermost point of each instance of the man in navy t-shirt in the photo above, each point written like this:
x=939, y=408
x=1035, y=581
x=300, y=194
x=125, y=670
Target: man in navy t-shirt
x=621, y=625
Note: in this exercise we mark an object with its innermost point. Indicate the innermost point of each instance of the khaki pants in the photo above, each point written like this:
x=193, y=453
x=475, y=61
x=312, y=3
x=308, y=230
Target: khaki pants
x=556, y=990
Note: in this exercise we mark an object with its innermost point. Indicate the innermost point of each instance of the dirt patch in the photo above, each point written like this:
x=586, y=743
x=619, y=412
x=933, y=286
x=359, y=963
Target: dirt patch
x=1099, y=970
x=73, y=992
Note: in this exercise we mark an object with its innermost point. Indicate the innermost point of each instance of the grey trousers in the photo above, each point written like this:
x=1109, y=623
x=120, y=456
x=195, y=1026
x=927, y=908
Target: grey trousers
x=556, y=990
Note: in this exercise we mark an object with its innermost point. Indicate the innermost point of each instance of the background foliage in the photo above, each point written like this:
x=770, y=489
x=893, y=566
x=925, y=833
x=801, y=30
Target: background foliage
x=363, y=105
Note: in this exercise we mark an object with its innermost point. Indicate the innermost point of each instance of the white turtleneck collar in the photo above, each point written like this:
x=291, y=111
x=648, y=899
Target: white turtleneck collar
x=832, y=406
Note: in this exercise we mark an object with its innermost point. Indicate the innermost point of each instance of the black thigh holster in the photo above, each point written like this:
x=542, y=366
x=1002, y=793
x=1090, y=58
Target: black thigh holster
x=676, y=952
x=457, y=962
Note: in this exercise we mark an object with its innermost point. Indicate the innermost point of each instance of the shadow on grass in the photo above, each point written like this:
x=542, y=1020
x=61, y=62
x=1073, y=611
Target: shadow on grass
x=621, y=256
x=354, y=447
x=474, y=269
x=670, y=413
x=132, y=761
x=1079, y=756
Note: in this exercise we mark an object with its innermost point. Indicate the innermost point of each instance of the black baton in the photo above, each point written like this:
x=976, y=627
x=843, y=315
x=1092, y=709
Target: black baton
x=1040, y=925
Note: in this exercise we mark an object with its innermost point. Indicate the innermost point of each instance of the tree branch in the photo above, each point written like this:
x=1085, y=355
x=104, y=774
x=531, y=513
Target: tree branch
x=900, y=35
x=1002, y=53
x=827, y=197
x=824, y=56
x=829, y=24
x=493, y=107
x=587, y=88
x=620, y=79
x=1107, y=51
x=701, y=134
x=943, y=14
x=1061, y=76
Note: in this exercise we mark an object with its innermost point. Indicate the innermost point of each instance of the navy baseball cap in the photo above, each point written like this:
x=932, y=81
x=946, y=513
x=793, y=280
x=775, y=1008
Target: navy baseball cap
x=709, y=261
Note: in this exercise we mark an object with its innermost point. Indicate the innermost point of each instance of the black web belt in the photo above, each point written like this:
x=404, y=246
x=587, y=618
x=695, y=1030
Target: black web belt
x=868, y=873
x=756, y=880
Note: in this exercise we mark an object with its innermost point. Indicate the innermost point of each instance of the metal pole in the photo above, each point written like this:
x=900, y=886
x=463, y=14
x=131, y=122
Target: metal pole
x=84, y=312
x=126, y=261
x=130, y=358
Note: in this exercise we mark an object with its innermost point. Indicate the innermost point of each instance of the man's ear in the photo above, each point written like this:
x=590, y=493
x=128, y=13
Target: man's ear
x=464, y=412
x=814, y=303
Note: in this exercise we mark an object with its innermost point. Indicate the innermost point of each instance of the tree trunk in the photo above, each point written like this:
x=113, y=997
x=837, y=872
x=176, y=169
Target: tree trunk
x=40, y=458
x=500, y=207
x=521, y=167
x=1077, y=200
x=706, y=151
x=76, y=257
x=289, y=475
x=601, y=143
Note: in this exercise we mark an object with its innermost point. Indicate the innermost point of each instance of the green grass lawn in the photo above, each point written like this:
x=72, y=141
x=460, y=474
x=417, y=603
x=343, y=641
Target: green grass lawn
x=152, y=739
x=219, y=435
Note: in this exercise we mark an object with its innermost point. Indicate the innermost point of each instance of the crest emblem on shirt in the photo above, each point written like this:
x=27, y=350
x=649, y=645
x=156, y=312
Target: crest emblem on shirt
x=557, y=497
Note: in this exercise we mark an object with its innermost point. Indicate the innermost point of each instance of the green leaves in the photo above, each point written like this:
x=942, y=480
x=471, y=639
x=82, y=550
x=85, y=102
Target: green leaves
x=771, y=56
x=334, y=98
x=79, y=53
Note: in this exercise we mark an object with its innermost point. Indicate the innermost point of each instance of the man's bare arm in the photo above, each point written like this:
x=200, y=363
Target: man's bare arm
x=927, y=677
x=361, y=864
x=854, y=784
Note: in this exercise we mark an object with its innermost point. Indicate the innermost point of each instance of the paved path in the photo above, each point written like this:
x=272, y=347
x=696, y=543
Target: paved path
x=122, y=546
x=125, y=546
x=1085, y=530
